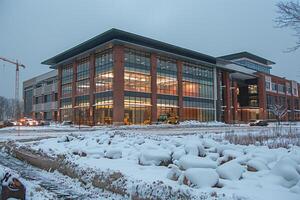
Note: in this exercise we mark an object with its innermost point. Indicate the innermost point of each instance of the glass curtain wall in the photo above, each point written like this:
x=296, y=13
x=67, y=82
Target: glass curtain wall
x=198, y=93
x=167, y=87
x=81, y=110
x=83, y=75
x=137, y=77
x=66, y=110
x=103, y=85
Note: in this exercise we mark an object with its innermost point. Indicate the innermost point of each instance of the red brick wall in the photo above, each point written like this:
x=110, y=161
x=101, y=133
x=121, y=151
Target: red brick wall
x=59, y=93
x=153, y=88
x=180, y=90
x=92, y=88
x=118, y=85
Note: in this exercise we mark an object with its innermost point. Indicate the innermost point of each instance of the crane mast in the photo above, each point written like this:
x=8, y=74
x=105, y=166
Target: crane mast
x=17, y=82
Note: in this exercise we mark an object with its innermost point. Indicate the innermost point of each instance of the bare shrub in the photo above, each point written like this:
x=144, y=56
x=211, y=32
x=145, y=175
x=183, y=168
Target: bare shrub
x=273, y=138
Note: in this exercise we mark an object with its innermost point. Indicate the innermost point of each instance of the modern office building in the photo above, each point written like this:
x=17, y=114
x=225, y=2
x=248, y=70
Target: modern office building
x=40, y=97
x=119, y=77
x=253, y=96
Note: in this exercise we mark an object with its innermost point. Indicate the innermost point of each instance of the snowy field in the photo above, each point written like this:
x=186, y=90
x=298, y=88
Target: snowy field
x=211, y=161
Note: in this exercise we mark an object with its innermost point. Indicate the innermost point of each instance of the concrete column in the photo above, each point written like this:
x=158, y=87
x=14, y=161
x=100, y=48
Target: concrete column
x=74, y=89
x=59, y=93
x=118, y=85
x=153, y=88
x=227, y=97
x=92, y=89
x=180, y=90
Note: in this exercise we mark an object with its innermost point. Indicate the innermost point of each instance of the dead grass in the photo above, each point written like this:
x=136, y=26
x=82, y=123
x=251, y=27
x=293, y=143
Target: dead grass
x=273, y=138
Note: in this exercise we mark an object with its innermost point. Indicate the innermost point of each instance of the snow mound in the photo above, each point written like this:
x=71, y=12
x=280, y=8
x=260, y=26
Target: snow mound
x=256, y=164
x=113, y=153
x=199, y=178
x=174, y=172
x=230, y=170
x=197, y=123
x=229, y=154
x=178, y=153
x=155, y=157
x=65, y=138
x=287, y=169
x=194, y=148
x=296, y=188
x=190, y=161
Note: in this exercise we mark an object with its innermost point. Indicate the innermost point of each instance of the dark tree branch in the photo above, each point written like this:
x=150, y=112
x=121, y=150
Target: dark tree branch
x=289, y=17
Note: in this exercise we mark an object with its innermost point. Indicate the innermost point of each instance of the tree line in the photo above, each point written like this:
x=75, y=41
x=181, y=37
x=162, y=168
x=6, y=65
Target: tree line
x=10, y=108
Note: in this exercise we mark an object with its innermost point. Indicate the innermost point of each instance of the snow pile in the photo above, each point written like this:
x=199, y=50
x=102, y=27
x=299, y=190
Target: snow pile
x=206, y=124
x=155, y=157
x=289, y=170
x=113, y=153
x=199, y=178
x=257, y=165
x=190, y=161
x=230, y=170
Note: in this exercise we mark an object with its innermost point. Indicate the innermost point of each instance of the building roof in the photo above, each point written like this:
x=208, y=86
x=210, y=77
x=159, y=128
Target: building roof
x=116, y=34
x=248, y=55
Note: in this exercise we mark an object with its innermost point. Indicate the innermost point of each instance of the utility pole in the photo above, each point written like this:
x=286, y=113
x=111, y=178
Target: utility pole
x=17, y=83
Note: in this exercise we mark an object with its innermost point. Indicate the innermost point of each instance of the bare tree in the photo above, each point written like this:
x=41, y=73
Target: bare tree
x=289, y=17
x=279, y=111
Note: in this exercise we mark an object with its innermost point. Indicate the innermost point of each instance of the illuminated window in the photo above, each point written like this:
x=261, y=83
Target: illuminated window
x=198, y=90
x=103, y=112
x=81, y=110
x=167, y=105
x=104, y=71
x=137, y=108
x=83, y=87
x=167, y=81
x=252, y=89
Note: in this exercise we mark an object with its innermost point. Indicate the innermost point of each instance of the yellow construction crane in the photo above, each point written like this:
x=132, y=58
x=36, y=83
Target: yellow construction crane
x=18, y=65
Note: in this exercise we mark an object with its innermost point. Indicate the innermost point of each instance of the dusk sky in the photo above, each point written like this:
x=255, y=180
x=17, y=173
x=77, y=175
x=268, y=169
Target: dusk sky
x=34, y=30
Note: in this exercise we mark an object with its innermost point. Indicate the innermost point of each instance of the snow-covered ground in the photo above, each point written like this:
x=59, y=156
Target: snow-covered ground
x=187, y=157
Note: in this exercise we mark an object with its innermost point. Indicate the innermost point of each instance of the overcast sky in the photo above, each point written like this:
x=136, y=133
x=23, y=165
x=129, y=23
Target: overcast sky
x=34, y=30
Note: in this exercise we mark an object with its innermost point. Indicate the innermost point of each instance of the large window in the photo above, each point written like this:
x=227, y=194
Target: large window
x=137, y=108
x=103, y=71
x=66, y=90
x=166, y=77
x=66, y=109
x=103, y=112
x=66, y=81
x=197, y=81
x=137, y=71
x=82, y=87
x=83, y=74
x=167, y=105
x=83, y=69
x=82, y=109
x=67, y=74
x=198, y=109
x=198, y=90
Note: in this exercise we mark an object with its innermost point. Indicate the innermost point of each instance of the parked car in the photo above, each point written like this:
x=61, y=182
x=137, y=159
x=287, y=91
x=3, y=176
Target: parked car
x=259, y=123
x=66, y=123
x=44, y=123
x=28, y=122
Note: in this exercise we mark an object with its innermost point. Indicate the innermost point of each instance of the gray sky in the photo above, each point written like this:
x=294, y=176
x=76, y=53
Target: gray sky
x=34, y=30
